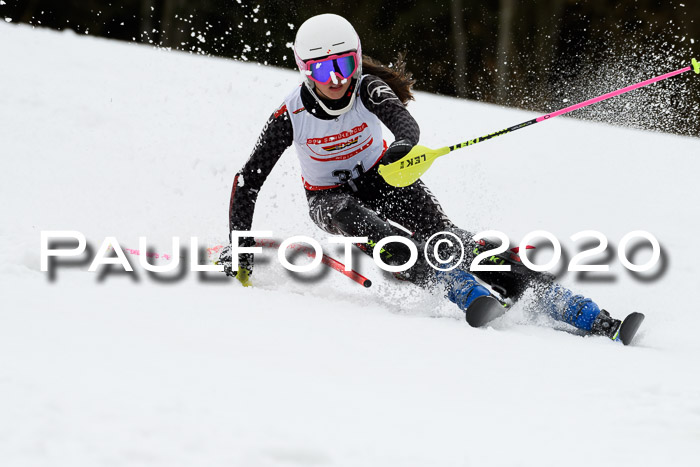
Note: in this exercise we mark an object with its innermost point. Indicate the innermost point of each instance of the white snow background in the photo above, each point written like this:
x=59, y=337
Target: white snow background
x=114, y=139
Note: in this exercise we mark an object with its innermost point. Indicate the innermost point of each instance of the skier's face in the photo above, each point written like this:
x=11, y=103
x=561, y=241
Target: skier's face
x=333, y=91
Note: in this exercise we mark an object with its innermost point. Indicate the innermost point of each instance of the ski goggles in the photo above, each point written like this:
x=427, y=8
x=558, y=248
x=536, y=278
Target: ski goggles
x=330, y=68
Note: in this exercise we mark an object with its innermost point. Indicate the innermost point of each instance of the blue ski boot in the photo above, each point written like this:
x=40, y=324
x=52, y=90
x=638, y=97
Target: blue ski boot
x=583, y=313
x=470, y=296
x=563, y=305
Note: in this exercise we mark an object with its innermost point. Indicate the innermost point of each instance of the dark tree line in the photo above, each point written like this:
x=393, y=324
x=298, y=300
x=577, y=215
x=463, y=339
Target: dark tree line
x=529, y=53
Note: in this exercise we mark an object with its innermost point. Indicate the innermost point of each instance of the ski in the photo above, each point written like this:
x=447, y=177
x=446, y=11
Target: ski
x=484, y=310
x=628, y=328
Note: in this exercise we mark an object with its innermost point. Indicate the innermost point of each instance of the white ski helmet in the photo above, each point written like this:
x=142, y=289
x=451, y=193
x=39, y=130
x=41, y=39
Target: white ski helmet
x=321, y=36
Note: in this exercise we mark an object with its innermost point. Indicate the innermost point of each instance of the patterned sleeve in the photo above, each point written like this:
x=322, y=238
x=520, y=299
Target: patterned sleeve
x=379, y=99
x=277, y=135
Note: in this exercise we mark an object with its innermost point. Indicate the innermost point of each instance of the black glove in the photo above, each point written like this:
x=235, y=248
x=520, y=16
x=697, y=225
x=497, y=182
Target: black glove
x=396, y=151
x=245, y=265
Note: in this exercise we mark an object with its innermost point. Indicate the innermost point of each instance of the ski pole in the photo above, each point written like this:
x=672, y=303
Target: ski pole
x=310, y=252
x=325, y=259
x=408, y=169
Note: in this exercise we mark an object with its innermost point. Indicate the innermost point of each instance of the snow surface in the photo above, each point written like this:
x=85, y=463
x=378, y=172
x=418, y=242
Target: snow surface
x=115, y=139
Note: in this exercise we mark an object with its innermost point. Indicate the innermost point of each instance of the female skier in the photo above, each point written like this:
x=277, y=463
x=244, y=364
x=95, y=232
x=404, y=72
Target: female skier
x=334, y=119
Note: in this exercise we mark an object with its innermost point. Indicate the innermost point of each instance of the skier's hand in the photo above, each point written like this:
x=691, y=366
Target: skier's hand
x=396, y=151
x=245, y=266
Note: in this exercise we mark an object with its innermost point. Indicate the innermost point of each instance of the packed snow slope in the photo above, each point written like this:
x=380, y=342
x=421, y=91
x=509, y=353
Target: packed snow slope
x=107, y=368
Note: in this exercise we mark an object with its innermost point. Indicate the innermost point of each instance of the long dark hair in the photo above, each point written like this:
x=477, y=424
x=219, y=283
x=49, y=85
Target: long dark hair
x=397, y=77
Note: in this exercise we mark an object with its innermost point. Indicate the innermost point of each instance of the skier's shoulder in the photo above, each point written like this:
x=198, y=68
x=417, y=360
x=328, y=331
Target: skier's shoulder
x=287, y=106
x=368, y=79
x=368, y=82
x=375, y=91
x=280, y=112
x=292, y=104
x=278, y=128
